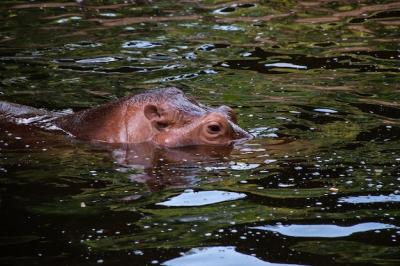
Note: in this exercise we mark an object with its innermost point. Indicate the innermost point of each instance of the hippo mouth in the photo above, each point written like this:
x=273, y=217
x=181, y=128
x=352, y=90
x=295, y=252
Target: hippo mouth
x=240, y=135
x=206, y=144
x=242, y=140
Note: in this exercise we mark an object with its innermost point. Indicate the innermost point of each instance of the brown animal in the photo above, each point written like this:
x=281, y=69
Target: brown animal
x=165, y=117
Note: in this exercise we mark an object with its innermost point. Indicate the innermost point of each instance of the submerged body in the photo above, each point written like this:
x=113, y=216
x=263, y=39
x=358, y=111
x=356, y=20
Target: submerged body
x=165, y=117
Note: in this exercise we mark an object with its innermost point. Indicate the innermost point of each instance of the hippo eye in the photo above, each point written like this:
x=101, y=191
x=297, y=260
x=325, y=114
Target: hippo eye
x=214, y=129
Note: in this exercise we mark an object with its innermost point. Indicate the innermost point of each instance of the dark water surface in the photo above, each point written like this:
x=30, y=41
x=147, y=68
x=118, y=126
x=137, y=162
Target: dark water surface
x=317, y=83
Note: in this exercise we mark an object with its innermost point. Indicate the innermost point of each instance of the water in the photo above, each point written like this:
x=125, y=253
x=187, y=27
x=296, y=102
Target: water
x=317, y=83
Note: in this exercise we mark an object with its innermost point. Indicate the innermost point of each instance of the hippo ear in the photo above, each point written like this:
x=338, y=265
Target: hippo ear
x=151, y=112
x=156, y=116
x=229, y=112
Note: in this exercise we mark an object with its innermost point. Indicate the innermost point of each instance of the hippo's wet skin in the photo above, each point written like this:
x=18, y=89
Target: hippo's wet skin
x=165, y=117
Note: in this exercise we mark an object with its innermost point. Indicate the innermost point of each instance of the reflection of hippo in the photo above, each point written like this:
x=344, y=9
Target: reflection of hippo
x=147, y=155
x=160, y=167
x=165, y=117
x=148, y=163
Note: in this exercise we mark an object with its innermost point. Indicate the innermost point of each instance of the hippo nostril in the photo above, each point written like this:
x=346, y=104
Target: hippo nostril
x=214, y=128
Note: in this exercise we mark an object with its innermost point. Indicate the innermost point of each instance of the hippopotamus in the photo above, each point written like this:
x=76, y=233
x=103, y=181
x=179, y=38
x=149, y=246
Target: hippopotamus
x=165, y=117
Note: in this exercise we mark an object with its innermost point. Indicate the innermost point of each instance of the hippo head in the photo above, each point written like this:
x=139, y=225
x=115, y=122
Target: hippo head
x=175, y=120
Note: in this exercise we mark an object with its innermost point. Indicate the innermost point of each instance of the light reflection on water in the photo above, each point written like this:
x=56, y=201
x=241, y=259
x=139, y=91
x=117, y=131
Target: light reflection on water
x=200, y=198
x=370, y=199
x=223, y=256
x=323, y=230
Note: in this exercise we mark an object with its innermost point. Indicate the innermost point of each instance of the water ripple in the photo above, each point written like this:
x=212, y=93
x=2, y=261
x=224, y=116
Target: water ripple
x=106, y=59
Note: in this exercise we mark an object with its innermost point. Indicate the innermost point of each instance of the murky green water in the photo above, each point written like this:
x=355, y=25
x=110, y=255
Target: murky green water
x=317, y=83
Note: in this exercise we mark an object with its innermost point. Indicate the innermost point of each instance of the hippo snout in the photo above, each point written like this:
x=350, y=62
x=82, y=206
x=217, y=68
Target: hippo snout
x=240, y=135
